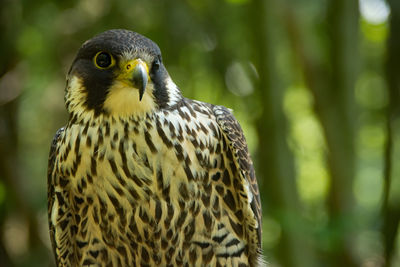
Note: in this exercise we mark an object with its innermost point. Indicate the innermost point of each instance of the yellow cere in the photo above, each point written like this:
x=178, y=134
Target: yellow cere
x=126, y=69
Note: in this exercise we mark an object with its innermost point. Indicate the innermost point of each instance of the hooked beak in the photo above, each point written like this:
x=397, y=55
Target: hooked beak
x=137, y=74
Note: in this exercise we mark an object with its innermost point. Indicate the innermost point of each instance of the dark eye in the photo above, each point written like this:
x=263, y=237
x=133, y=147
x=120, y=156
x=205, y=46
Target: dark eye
x=103, y=60
x=156, y=65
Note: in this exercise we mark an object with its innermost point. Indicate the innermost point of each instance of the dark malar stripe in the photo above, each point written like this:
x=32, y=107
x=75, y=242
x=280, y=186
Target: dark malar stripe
x=150, y=144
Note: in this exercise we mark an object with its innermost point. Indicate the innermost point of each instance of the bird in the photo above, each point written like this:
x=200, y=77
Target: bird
x=141, y=175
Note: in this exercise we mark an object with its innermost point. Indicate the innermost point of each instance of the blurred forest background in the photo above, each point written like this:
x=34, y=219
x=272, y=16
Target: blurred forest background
x=314, y=83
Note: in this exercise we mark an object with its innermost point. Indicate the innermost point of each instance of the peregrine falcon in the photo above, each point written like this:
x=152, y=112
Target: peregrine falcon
x=142, y=176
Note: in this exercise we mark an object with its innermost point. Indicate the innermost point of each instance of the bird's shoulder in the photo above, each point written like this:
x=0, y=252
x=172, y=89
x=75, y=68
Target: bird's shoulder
x=229, y=131
x=237, y=142
x=51, y=177
x=53, y=153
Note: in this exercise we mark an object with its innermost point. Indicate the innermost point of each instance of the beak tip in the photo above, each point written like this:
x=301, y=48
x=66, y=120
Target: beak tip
x=141, y=93
x=140, y=79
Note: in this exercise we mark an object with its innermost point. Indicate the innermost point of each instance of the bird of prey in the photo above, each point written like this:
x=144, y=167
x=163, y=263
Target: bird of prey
x=142, y=176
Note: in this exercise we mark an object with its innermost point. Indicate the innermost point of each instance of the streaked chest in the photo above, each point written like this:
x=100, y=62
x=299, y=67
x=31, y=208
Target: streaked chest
x=148, y=185
x=136, y=160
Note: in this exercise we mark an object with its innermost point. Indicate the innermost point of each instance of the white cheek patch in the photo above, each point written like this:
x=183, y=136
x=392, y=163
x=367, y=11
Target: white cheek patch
x=75, y=92
x=173, y=92
x=76, y=96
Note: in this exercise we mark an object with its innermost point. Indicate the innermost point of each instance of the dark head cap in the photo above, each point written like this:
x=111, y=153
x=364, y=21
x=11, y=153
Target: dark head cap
x=119, y=41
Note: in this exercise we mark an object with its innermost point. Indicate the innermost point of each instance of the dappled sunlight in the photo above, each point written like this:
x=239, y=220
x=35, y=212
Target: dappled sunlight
x=308, y=145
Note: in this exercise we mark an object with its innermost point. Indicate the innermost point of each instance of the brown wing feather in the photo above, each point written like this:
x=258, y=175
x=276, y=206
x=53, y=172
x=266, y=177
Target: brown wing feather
x=234, y=133
x=50, y=188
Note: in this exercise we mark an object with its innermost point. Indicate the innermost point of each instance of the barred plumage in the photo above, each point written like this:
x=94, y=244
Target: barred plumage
x=165, y=181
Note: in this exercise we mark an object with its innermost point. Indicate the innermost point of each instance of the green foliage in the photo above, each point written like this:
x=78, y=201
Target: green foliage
x=271, y=62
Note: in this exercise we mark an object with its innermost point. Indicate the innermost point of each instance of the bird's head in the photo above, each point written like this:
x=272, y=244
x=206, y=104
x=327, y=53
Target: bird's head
x=119, y=73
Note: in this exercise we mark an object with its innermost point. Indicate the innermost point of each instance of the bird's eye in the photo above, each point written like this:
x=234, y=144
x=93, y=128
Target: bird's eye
x=156, y=65
x=103, y=60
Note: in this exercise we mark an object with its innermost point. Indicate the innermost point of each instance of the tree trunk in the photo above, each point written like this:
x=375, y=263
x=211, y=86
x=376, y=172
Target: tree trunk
x=331, y=78
x=391, y=202
x=275, y=164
